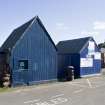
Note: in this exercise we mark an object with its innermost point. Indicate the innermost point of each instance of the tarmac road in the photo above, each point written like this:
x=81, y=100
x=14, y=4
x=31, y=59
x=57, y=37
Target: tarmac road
x=86, y=91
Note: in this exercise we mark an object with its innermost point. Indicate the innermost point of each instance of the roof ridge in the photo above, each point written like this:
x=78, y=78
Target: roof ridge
x=76, y=39
x=16, y=34
x=45, y=30
x=85, y=44
x=72, y=46
x=25, y=23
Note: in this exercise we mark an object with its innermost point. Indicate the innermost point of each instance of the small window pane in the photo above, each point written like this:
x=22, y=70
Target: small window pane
x=23, y=64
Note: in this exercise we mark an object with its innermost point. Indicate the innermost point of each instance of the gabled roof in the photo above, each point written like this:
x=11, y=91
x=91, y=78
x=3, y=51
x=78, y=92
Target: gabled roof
x=72, y=46
x=18, y=32
x=15, y=36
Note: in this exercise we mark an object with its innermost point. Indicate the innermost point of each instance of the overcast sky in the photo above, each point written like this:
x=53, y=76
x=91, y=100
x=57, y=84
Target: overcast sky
x=63, y=19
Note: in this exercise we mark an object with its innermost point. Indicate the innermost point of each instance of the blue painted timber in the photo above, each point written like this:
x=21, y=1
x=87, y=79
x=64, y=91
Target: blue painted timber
x=96, y=63
x=33, y=47
x=70, y=53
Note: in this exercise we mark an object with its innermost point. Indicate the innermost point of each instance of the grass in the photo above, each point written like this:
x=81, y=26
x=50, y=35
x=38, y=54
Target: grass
x=11, y=89
x=5, y=90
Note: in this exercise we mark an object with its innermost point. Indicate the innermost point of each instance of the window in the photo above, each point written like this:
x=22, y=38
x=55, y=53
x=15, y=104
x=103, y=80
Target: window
x=23, y=64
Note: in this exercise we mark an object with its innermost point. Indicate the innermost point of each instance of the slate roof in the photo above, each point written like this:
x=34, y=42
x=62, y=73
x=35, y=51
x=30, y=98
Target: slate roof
x=72, y=46
x=18, y=32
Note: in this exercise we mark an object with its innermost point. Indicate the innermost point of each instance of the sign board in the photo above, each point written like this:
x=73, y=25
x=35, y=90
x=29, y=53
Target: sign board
x=97, y=55
x=86, y=62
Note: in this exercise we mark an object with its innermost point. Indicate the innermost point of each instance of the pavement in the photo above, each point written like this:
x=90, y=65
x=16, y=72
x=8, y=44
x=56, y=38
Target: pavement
x=85, y=91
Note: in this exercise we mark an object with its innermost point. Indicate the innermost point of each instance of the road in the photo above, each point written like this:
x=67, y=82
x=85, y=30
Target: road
x=86, y=91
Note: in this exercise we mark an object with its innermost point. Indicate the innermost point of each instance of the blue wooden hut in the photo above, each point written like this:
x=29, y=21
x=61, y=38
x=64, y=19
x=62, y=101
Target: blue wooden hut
x=32, y=55
x=83, y=54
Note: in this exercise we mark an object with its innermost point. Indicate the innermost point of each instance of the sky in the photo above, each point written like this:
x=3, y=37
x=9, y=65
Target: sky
x=63, y=19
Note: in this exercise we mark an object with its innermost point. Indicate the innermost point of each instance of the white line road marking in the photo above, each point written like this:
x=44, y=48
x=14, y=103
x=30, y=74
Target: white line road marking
x=31, y=101
x=59, y=100
x=59, y=95
x=78, y=91
x=89, y=83
x=55, y=101
x=78, y=85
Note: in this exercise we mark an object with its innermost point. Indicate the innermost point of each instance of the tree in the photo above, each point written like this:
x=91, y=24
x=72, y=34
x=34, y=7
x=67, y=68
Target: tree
x=101, y=45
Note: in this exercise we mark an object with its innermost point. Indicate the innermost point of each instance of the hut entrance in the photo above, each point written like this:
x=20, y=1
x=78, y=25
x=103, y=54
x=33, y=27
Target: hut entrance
x=4, y=70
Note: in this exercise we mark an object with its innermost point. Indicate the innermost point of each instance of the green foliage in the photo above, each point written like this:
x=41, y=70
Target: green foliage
x=6, y=89
x=101, y=45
